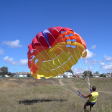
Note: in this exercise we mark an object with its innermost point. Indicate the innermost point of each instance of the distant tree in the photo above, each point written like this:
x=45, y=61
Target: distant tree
x=0, y=73
x=97, y=73
x=3, y=71
x=87, y=74
x=29, y=75
x=10, y=74
x=102, y=75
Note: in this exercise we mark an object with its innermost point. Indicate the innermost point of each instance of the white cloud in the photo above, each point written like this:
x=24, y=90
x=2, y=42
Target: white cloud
x=13, y=62
x=9, y=60
x=23, y=61
x=89, y=54
x=102, y=63
x=91, y=61
x=93, y=47
x=13, y=44
x=107, y=66
x=108, y=58
x=1, y=51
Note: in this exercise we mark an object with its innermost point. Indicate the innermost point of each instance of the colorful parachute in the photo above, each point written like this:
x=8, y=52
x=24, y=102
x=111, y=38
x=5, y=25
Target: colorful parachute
x=54, y=51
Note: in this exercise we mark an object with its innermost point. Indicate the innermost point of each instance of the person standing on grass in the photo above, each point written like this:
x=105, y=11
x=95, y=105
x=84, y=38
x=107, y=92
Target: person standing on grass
x=92, y=98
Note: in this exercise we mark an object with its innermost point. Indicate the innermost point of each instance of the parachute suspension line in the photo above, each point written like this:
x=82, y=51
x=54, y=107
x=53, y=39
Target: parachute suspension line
x=77, y=91
x=87, y=78
x=81, y=65
x=89, y=84
x=91, y=66
x=74, y=90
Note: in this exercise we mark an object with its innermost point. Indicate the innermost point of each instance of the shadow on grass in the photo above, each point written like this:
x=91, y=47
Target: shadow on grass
x=32, y=101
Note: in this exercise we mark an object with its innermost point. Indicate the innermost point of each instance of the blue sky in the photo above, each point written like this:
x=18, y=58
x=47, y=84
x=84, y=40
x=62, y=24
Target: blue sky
x=21, y=20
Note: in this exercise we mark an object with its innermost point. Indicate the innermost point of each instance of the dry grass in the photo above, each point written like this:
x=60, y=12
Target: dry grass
x=52, y=95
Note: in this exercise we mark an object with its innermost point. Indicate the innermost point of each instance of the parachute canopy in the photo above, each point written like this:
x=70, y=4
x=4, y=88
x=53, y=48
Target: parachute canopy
x=54, y=51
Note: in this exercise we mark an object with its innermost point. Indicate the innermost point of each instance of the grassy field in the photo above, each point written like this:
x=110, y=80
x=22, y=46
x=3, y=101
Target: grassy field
x=52, y=95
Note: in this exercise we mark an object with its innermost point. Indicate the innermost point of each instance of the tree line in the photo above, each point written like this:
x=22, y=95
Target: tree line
x=88, y=73
x=4, y=71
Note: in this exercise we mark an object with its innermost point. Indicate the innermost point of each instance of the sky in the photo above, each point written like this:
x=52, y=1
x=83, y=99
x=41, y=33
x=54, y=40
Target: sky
x=21, y=20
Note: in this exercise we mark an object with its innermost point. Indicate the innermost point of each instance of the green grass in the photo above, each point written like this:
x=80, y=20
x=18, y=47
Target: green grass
x=52, y=95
